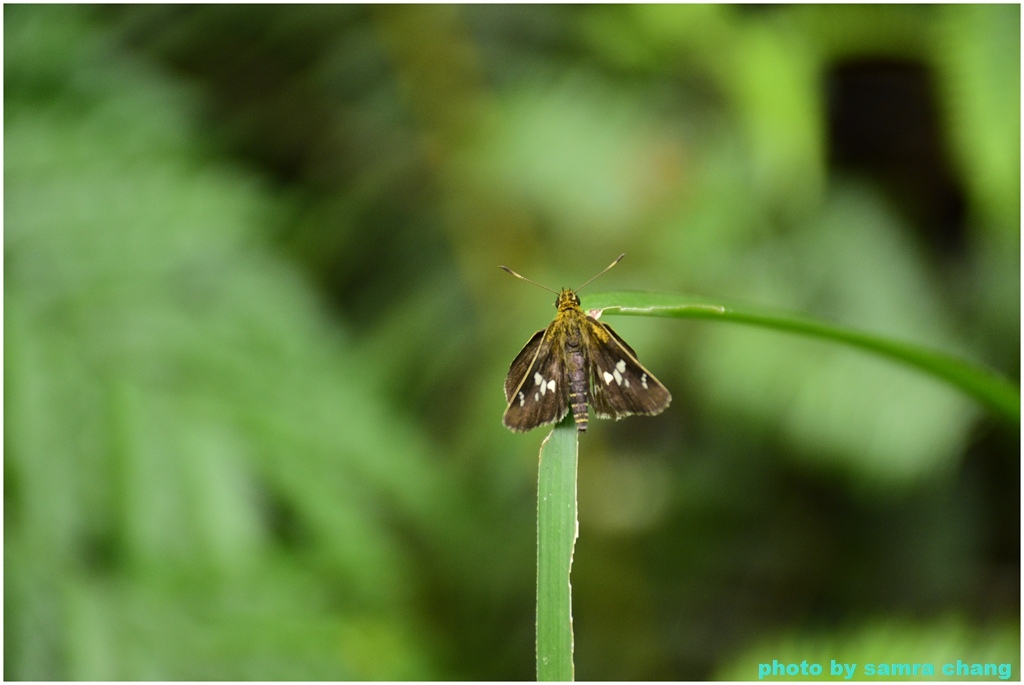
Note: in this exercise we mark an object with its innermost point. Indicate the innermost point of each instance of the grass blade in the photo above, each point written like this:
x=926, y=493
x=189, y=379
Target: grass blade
x=986, y=386
x=556, y=537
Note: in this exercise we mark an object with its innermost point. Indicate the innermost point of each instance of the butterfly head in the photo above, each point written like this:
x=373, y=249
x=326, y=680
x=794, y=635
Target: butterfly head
x=567, y=299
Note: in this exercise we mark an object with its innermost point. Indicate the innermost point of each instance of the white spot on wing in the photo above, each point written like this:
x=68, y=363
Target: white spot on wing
x=538, y=379
x=621, y=366
x=522, y=399
x=608, y=378
x=551, y=385
x=618, y=376
x=643, y=381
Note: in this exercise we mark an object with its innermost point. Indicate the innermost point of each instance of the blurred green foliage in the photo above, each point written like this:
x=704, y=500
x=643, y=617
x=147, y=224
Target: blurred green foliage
x=255, y=337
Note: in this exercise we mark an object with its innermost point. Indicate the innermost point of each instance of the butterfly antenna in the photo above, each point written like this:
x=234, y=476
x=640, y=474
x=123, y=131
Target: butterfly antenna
x=617, y=260
x=505, y=268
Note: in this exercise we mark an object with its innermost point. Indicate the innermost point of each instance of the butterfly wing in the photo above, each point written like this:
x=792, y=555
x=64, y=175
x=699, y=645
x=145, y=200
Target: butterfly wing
x=535, y=387
x=619, y=384
x=521, y=364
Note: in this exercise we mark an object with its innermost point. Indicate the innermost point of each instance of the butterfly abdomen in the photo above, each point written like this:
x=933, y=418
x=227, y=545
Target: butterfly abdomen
x=576, y=370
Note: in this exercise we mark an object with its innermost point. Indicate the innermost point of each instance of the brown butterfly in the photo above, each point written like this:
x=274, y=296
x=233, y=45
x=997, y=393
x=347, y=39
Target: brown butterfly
x=575, y=362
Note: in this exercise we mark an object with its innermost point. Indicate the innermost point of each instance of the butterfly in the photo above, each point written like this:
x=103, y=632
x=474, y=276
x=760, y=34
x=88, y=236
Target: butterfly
x=577, y=362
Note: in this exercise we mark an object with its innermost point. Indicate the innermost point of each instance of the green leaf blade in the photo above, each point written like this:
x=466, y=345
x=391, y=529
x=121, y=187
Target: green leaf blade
x=556, y=537
x=981, y=383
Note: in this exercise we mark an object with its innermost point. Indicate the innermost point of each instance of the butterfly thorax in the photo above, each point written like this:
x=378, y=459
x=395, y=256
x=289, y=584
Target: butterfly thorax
x=567, y=330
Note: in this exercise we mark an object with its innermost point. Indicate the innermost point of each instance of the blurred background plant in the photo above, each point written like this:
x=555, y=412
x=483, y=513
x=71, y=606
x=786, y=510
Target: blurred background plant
x=255, y=337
